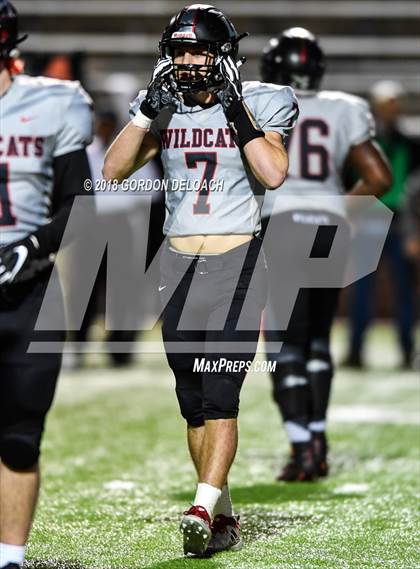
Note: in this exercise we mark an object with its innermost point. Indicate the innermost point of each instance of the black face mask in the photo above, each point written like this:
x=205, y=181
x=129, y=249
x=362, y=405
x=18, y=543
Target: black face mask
x=193, y=78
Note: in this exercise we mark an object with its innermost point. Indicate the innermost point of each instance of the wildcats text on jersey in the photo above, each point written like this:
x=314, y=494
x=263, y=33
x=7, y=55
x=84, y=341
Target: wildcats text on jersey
x=197, y=138
x=21, y=146
x=41, y=119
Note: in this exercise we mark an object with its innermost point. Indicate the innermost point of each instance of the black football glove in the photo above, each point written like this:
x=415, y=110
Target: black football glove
x=161, y=89
x=230, y=96
x=18, y=261
x=232, y=90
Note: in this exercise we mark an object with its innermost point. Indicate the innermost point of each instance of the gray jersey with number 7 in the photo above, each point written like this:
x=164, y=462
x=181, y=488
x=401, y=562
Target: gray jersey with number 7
x=210, y=189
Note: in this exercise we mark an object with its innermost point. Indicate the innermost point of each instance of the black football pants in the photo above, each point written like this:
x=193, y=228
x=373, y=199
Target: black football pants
x=212, y=312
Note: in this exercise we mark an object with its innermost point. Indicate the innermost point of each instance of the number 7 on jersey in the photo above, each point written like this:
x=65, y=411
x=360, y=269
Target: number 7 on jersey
x=202, y=206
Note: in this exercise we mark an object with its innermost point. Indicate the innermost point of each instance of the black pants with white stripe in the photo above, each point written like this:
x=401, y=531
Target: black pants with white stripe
x=302, y=380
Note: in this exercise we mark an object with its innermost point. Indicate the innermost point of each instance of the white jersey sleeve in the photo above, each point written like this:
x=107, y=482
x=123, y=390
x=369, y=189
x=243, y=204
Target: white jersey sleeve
x=358, y=123
x=75, y=131
x=41, y=119
x=135, y=104
x=274, y=107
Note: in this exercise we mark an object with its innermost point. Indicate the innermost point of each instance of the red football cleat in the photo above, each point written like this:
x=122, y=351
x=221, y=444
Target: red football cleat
x=196, y=528
x=226, y=534
x=301, y=465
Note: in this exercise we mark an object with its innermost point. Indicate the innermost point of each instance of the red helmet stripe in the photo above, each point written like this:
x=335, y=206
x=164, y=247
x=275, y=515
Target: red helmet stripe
x=194, y=22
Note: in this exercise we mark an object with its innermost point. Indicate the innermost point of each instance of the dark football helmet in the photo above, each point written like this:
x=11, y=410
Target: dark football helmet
x=294, y=58
x=201, y=26
x=8, y=29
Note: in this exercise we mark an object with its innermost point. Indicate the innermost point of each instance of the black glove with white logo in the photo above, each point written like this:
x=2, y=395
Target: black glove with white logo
x=19, y=261
x=231, y=99
x=231, y=92
x=161, y=89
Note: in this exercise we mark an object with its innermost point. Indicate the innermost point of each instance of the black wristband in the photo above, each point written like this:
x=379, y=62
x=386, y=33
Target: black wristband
x=147, y=110
x=243, y=122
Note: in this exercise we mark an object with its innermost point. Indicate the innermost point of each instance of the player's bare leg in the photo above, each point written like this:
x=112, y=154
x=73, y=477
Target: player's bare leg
x=212, y=448
x=218, y=451
x=195, y=441
x=195, y=436
x=18, y=497
x=196, y=521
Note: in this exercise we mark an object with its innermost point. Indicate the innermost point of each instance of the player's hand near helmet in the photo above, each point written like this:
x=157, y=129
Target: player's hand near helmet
x=232, y=101
x=17, y=260
x=232, y=86
x=161, y=89
x=135, y=146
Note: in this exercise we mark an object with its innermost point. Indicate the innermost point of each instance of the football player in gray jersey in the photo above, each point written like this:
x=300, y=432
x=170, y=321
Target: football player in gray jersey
x=333, y=127
x=224, y=139
x=45, y=127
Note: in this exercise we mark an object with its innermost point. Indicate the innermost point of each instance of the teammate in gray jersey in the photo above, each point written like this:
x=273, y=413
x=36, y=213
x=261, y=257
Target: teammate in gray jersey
x=45, y=127
x=333, y=127
x=221, y=144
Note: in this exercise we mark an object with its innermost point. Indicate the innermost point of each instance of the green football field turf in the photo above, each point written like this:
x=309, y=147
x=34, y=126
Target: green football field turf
x=116, y=474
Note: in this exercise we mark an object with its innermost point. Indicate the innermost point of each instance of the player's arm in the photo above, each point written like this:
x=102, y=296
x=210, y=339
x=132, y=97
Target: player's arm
x=71, y=170
x=264, y=151
x=70, y=173
x=411, y=216
x=268, y=160
x=136, y=145
x=22, y=259
x=364, y=156
x=132, y=149
x=369, y=162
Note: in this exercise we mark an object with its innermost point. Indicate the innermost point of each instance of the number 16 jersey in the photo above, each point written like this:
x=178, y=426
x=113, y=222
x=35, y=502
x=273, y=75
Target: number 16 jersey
x=330, y=124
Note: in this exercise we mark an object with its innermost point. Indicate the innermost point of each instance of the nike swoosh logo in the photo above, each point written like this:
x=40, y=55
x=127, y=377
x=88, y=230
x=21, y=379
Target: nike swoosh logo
x=162, y=287
x=27, y=119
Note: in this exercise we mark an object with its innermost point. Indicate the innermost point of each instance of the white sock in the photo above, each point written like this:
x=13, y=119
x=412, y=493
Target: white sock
x=207, y=496
x=224, y=505
x=318, y=426
x=11, y=554
x=296, y=433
